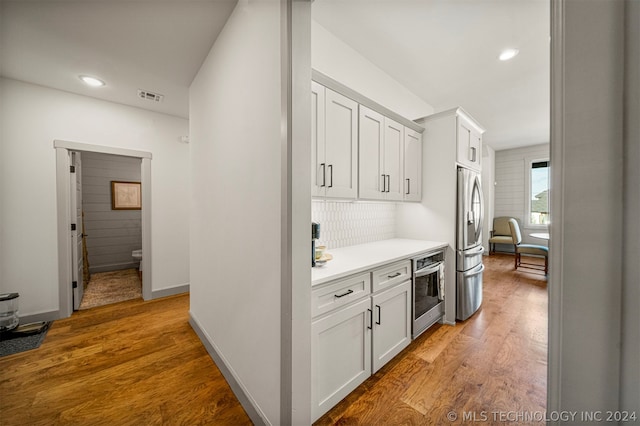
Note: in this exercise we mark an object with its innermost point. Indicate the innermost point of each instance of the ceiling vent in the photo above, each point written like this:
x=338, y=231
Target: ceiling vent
x=150, y=96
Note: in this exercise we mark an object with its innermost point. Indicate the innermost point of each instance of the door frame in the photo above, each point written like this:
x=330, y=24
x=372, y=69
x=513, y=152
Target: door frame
x=63, y=185
x=77, y=255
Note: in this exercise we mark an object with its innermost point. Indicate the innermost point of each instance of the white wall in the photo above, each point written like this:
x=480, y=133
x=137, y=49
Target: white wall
x=587, y=149
x=31, y=117
x=511, y=186
x=235, y=107
x=488, y=191
x=434, y=218
x=630, y=363
x=332, y=57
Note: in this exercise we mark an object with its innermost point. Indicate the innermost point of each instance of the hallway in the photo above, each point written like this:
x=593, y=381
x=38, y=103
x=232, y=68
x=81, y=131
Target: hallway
x=138, y=362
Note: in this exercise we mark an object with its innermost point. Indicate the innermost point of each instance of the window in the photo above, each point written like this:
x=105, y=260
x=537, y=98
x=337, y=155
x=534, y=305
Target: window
x=538, y=214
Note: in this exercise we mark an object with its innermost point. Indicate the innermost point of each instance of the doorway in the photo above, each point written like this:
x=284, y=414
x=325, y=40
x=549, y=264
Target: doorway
x=69, y=239
x=109, y=247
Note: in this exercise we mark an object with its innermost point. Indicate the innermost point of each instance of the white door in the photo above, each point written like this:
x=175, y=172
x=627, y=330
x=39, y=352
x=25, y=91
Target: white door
x=76, y=229
x=371, y=182
x=391, y=323
x=393, y=146
x=341, y=145
x=412, y=165
x=469, y=145
x=318, y=164
x=340, y=355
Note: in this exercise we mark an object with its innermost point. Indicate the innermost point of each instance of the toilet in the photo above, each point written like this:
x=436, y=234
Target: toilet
x=137, y=255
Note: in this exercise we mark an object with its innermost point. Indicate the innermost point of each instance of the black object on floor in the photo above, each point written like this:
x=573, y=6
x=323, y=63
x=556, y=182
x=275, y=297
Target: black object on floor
x=23, y=338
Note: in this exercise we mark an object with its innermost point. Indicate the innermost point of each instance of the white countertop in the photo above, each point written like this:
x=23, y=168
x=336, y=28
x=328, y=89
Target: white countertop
x=353, y=259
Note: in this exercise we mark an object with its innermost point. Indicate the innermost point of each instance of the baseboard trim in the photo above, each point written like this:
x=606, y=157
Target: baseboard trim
x=113, y=267
x=42, y=316
x=249, y=405
x=171, y=291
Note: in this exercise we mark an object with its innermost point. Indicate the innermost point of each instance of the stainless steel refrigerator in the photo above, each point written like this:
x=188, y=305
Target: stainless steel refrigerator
x=469, y=267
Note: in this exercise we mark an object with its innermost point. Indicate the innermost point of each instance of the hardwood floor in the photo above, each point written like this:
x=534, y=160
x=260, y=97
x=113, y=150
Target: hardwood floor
x=131, y=363
x=140, y=363
x=493, y=366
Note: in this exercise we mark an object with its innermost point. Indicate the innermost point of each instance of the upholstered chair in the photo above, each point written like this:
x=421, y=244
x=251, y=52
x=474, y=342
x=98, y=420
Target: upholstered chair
x=501, y=233
x=527, y=249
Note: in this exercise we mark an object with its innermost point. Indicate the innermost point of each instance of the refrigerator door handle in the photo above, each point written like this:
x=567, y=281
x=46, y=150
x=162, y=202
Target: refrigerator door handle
x=481, y=219
x=474, y=252
x=476, y=271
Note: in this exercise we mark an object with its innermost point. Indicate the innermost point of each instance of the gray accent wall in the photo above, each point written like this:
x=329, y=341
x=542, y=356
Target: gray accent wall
x=111, y=234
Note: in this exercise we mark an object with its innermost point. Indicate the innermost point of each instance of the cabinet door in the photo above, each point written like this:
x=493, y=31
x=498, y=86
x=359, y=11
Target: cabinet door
x=392, y=162
x=340, y=355
x=341, y=145
x=370, y=145
x=469, y=145
x=318, y=165
x=392, y=323
x=412, y=165
x=476, y=146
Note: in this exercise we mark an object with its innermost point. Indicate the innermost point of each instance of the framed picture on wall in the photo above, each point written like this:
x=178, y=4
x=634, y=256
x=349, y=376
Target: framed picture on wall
x=126, y=195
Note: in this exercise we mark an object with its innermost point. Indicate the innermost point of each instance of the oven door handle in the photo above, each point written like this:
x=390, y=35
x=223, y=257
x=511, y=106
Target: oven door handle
x=429, y=270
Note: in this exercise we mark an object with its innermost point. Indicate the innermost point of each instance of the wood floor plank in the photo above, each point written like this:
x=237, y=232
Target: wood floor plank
x=131, y=363
x=135, y=363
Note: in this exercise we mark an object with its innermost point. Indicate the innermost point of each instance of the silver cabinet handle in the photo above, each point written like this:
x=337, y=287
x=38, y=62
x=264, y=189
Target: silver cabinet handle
x=408, y=186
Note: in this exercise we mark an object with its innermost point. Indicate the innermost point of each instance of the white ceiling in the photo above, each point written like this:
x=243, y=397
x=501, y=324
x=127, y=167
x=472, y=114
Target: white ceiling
x=445, y=51
x=152, y=45
x=442, y=50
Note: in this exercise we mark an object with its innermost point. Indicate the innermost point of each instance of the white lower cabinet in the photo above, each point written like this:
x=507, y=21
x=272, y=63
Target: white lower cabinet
x=340, y=355
x=392, y=323
x=350, y=343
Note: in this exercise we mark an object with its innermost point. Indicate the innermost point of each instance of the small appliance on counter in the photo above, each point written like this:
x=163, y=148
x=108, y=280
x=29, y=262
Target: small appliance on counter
x=315, y=234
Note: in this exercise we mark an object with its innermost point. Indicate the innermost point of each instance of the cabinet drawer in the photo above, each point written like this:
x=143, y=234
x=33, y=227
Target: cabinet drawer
x=390, y=275
x=339, y=293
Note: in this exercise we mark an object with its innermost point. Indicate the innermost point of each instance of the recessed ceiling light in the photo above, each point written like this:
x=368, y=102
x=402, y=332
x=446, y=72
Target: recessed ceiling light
x=92, y=81
x=507, y=54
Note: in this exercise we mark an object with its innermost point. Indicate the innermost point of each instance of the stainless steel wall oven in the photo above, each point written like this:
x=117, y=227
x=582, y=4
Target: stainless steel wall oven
x=428, y=291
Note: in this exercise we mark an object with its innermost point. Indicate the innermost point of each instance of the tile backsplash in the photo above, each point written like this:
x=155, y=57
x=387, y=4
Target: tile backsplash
x=350, y=223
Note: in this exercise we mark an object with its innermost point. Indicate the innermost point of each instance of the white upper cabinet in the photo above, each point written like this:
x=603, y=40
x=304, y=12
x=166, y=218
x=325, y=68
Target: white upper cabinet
x=469, y=143
x=393, y=161
x=371, y=178
x=318, y=174
x=334, y=144
x=361, y=150
x=381, y=144
x=412, y=165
